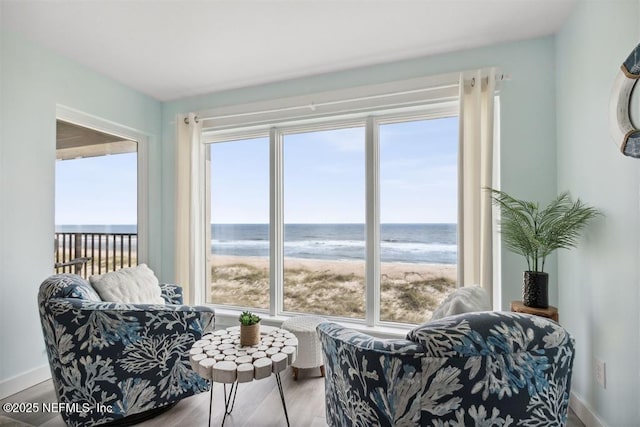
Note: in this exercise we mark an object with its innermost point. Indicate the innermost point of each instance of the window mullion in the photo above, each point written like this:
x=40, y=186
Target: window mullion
x=372, y=168
x=207, y=223
x=276, y=227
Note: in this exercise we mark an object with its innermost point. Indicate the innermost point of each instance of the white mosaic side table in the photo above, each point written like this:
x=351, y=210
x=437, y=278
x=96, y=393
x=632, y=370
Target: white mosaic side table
x=219, y=357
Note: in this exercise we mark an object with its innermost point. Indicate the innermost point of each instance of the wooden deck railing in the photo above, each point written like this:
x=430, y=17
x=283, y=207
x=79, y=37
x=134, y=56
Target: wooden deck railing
x=94, y=253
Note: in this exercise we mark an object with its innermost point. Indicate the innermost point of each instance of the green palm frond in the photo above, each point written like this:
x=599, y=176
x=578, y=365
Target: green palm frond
x=534, y=233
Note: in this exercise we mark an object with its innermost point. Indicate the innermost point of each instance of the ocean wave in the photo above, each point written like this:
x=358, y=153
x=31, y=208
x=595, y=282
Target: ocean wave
x=324, y=244
x=342, y=249
x=239, y=242
x=393, y=245
x=419, y=247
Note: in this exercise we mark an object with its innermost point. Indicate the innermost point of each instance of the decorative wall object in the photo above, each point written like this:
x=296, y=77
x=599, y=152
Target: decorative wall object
x=625, y=134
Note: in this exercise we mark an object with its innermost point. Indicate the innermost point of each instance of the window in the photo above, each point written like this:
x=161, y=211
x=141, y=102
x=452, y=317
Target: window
x=418, y=214
x=303, y=214
x=324, y=216
x=240, y=223
x=100, y=235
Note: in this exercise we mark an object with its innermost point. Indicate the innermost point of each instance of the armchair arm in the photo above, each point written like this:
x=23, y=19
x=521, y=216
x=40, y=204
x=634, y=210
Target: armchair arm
x=377, y=381
x=488, y=332
x=143, y=314
x=367, y=342
x=171, y=293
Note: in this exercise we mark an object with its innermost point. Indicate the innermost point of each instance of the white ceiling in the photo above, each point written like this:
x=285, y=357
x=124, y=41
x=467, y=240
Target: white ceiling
x=173, y=49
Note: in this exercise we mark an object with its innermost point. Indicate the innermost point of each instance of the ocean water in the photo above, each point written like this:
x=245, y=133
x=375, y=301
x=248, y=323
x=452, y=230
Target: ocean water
x=410, y=243
x=97, y=228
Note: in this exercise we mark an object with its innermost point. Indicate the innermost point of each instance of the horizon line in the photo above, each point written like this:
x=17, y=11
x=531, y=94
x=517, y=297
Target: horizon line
x=266, y=223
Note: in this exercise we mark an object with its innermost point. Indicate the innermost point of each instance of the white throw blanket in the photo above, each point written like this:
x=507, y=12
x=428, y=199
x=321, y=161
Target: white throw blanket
x=463, y=300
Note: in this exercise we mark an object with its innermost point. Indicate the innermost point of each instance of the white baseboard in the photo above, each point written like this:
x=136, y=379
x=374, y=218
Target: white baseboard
x=584, y=412
x=23, y=381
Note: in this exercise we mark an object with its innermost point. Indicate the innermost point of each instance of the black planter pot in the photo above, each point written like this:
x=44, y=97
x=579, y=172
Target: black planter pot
x=535, y=289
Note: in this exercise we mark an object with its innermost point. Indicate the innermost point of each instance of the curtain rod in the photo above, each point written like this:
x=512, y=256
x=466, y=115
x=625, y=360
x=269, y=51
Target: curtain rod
x=499, y=78
x=312, y=106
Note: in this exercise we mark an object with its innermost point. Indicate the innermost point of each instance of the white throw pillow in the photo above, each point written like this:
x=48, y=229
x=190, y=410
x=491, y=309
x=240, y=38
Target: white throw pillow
x=463, y=300
x=134, y=285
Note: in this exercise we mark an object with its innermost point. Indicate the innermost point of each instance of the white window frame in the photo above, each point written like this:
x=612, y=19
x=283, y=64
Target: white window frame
x=371, y=122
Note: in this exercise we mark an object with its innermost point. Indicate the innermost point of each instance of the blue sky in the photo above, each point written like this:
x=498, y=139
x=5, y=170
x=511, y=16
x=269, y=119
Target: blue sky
x=324, y=175
x=418, y=171
x=96, y=190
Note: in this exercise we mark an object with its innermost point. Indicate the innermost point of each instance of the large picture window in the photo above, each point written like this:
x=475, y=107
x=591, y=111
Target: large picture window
x=418, y=211
x=324, y=212
x=294, y=211
x=239, y=188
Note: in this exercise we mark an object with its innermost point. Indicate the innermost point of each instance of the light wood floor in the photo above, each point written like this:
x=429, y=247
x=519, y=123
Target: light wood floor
x=257, y=405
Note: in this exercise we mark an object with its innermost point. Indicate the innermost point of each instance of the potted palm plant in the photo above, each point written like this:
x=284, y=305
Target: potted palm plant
x=535, y=233
x=249, y=328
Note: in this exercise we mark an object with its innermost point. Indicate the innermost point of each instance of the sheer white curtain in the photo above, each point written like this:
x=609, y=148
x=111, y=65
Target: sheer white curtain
x=190, y=209
x=475, y=263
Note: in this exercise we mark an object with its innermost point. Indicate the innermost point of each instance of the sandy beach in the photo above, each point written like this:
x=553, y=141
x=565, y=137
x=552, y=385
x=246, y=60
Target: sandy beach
x=410, y=292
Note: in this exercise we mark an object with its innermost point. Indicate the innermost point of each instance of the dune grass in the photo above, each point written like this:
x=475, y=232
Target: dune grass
x=406, y=297
x=243, y=285
x=412, y=301
x=324, y=292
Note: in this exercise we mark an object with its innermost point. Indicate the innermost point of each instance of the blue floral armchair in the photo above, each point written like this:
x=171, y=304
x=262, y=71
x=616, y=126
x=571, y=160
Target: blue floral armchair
x=110, y=360
x=485, y=369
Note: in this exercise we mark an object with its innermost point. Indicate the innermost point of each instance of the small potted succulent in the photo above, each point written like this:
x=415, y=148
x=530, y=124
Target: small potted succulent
x=535, y=232
x=249, y=328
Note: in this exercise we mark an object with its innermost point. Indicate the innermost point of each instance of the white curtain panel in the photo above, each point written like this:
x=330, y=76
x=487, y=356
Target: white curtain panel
x=475, y=259
x=190, y=210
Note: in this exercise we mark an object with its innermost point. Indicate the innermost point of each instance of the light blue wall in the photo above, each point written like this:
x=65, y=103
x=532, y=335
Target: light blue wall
x=528, y=125
x=600, y=281
x=32, y=82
